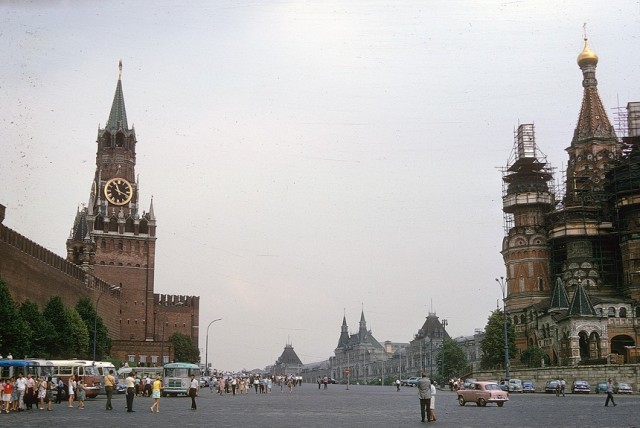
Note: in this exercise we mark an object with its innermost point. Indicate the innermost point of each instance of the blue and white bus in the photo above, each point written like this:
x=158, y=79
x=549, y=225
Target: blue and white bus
x=177, y=377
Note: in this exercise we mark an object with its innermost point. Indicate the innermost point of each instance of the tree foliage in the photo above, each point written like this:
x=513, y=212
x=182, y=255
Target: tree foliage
x=493, y=343
x=41, y=330
x=88, y=313
x=15, y=333
x=54, y=311
x=75, y=336
x=184, y=350
x=455, y=361
x=533, y=357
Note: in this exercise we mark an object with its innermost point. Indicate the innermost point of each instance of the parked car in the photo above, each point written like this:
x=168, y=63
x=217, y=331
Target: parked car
x=515, y=385
x=333, y=381
x=204, y=381
x=622, y=388
x=504, y=385
x=551, y=386
x=580, y=387
x=412, y=381
x=528, y=386
x=121, y=388
x=482, y=393
x=601, y=387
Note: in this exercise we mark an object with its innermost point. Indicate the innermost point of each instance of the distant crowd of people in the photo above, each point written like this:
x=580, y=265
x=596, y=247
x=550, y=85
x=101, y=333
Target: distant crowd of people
x=243, y=383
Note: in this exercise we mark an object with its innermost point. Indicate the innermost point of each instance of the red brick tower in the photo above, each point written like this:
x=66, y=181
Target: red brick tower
x=121, y=237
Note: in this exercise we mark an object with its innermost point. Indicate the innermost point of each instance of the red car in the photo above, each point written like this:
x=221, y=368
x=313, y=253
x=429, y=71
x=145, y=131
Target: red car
x=482, y=393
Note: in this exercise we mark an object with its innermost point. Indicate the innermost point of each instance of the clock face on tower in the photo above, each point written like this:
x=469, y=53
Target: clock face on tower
x=118, y=191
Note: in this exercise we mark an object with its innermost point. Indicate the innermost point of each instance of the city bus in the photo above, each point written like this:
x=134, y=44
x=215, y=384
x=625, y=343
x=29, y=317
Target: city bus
x=63, y=369
x=103, y=368
x=10, y=368
x=176, y=378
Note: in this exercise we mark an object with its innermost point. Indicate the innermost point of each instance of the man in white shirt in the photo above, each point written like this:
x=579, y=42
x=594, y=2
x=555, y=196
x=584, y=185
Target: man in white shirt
x=21, y=386
x=193, y=391
x=130, y=381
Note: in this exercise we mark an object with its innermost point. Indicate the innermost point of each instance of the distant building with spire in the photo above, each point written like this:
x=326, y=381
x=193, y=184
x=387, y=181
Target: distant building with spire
x=288, y=363
x=359, y=353
x=572, y=256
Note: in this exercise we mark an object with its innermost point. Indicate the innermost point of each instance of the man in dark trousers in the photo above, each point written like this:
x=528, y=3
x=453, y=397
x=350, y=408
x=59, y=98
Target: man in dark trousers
x=609, y=394
x=60, y=391
x=424, y=393
x=131, y=391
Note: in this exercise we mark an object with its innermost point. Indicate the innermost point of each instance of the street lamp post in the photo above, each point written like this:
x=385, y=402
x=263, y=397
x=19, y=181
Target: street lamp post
x=502, y=284
x=206, y=352
x=445, y=323
x=95, y=319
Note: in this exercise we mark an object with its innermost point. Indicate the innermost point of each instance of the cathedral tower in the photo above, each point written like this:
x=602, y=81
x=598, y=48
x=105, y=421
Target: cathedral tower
x=584, y=250
x=526, y=200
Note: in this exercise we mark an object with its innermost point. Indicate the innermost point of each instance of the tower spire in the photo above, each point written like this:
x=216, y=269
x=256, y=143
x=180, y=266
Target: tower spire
x=118, y=115
x=593, y=121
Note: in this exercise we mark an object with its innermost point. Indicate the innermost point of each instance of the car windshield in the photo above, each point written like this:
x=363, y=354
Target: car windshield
x=581, y=382
x=491, y=386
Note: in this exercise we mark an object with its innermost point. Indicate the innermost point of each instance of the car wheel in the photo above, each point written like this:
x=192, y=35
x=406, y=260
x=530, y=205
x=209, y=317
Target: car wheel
x=482, y=402
x=500, y=403
x=461, y=400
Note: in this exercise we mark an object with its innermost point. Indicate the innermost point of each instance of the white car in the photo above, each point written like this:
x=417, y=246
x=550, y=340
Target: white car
x=515, y=385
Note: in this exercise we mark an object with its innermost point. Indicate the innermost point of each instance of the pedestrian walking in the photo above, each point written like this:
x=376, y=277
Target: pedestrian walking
x=609, y=394
x=432, y=404
x=193, y=391
x=563, y=385
x=81, y=393
x=49, y=394
x=424, y=394
x=155, y=394
x=71, y=389
x=109, y=384
x=130, y=381
x=398, y=385
x=42, y=391
x=60, y=391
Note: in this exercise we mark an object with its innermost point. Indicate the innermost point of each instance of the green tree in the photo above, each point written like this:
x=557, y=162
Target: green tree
x=91, y=319
x=75, y=335
x=41, y=329
x=455, y=361
x=54, y=312
x=533, y=356
x=15, y=333
x=184, y=350
x=493, y=343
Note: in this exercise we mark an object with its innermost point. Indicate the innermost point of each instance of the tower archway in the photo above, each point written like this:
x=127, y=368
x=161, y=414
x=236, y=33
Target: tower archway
x=618, y=344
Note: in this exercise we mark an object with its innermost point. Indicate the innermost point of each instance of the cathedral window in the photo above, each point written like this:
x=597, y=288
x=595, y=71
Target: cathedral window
x=120, y=246
x=637, y=311
x=119, y=139
x=611, y=312
x=540, y=284
x=623, y=312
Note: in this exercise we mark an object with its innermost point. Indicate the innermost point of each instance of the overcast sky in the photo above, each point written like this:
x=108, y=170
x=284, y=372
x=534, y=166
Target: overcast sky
x=306, y=159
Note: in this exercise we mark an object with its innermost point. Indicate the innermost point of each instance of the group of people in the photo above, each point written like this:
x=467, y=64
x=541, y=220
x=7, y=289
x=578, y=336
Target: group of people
x=243, y=384
x=561, y=385
x=22, y=393
x=427, y=396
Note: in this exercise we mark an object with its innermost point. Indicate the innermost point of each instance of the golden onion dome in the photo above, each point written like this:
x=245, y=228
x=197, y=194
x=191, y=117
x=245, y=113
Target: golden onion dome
x=587, y=56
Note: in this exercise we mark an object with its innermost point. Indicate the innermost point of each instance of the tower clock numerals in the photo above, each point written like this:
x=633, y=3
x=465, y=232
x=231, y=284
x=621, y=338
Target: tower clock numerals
x=118, y=191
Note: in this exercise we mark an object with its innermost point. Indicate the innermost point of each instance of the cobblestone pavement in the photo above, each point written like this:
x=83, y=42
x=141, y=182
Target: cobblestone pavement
x=360, y=406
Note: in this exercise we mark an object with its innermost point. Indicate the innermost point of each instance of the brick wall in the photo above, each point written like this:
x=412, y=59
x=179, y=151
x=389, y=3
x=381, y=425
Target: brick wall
x=35, y=273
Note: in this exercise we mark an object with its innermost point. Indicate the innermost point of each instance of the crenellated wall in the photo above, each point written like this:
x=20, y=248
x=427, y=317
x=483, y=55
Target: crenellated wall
x=35, y=273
